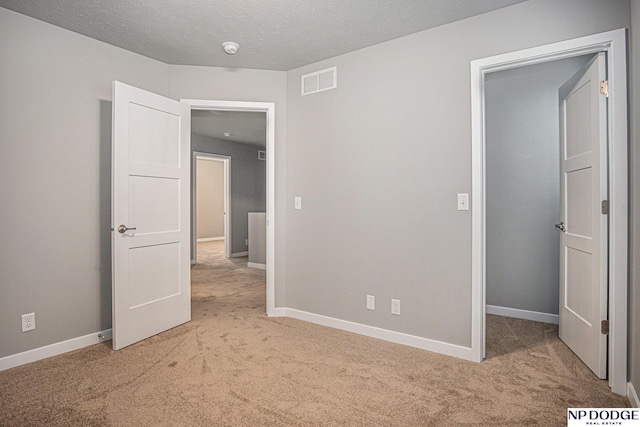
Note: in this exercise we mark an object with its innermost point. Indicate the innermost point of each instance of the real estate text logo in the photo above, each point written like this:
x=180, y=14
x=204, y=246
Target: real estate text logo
x=627, y=417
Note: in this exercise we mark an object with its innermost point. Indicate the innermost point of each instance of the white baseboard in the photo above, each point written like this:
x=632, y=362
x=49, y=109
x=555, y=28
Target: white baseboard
x=277, y=312
x=53, y=349
x=209, y=239
x=379, y=333
x=523, y=314
x=256, y=265
x=632, y=395
x=239, y=254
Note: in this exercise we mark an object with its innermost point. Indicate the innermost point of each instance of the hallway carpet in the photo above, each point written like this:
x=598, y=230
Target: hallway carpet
x=233, y=366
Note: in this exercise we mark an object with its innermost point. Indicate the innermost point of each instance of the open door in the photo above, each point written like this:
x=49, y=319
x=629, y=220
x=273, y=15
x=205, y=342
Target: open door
x=150, y=214
x=583, y=243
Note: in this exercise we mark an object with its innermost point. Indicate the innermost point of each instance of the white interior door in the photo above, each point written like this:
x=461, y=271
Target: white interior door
x=150, y=197
x=583, y=243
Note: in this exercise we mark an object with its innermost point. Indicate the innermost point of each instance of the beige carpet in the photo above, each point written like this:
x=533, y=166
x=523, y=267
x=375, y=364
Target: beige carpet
x=233, y=366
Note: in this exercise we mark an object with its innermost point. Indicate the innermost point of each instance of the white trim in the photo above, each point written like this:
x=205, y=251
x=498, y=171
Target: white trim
x=257, y=265
x=517, y=313
x=279, y=312
x=226, y=160
x=379, y=333
x=54, y=349
x=614, y=43
x=209, y=239
x=632, y=395
x=269, y=108
x=239, y=254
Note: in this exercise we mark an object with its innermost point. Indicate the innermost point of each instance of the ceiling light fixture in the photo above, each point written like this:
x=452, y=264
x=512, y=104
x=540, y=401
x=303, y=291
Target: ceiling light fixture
x=227, y=134
x=230, y=47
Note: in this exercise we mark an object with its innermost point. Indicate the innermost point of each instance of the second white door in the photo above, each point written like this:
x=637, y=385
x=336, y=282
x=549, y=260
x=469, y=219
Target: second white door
x=583, y=243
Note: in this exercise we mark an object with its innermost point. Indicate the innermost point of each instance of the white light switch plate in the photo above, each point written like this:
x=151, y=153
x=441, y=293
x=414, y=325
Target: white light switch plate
x=463, y=201
x=297, y=202
x=371, y=302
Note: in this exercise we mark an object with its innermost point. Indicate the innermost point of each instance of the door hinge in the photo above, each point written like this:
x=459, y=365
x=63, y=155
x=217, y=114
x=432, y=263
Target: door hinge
x=605, y=207
x=604, y=327
x=604, y=87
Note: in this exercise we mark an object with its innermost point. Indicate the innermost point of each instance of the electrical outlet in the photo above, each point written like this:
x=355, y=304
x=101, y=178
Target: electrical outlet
x=246, y=242
x=371, y=302
x=395, y=307
x=28, y=322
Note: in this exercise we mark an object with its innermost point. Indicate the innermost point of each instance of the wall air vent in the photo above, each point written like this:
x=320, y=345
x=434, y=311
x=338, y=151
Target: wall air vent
x=319, y=81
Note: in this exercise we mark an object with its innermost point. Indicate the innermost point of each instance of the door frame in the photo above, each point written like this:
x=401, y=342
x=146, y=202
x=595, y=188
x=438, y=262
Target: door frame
x=614, y=44
x=226, y=161
x=269, y=109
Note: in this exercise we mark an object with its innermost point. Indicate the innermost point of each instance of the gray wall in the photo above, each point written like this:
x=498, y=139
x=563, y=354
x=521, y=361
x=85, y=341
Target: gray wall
x=379, y=160
x=523, y=185
x=209, y=199
x=248, y=183
x=634, y=307
x=55, y=145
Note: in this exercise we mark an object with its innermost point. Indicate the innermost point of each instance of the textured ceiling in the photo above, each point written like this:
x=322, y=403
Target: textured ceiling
x=245, y=127
x=273, y=34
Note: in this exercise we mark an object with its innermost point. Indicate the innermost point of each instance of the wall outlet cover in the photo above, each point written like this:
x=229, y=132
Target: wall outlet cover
x=395, y=307
x=28, y=322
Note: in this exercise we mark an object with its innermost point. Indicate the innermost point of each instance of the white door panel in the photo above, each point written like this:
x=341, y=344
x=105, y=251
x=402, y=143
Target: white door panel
x=150, y=194
x=154, y=136
x=583, y=255
x=579, y=200
x=154, y=204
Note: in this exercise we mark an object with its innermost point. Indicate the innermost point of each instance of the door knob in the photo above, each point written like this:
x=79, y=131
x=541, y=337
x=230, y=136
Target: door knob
x=560, y=226
x=124, y=229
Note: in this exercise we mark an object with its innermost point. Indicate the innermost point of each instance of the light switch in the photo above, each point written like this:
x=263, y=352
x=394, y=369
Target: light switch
x=371, y=302
x=297, y=202
x=463, y=201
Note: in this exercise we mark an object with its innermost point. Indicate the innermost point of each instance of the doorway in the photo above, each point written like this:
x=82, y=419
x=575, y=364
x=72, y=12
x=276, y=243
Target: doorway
x=523, y=189
x=268, y=109
x=210, y=201
x=150, y=200
x=614, y=45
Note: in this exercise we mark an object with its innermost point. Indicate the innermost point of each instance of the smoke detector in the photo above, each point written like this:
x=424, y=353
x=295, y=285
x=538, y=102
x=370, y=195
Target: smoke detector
x=230, y=47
